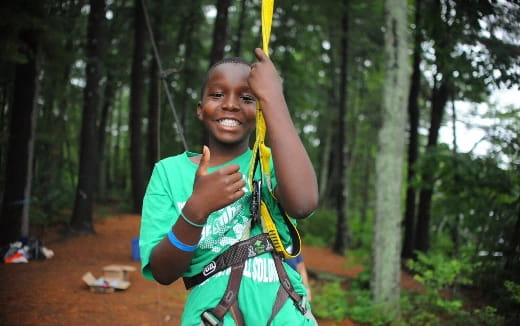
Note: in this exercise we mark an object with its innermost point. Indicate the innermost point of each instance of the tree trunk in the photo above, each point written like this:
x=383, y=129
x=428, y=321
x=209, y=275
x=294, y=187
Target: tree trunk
x=439, y=99
x=154, y=95
x=154, y=100
x=413, y=143
x=14, y=221
x=136, y=103
x=108, y=102
x=385, y=285
x=340, y=242
x=219, y=31
x=237, y=46
x=82, y=216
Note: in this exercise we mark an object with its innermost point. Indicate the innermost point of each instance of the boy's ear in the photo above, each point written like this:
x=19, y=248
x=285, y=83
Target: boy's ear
x=199, y=110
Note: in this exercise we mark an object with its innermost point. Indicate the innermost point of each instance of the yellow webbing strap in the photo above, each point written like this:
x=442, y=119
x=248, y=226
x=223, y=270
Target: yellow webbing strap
x=261, y=151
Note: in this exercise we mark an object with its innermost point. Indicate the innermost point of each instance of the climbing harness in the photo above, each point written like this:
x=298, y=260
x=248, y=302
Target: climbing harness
x=235, y=258
x=267, y=242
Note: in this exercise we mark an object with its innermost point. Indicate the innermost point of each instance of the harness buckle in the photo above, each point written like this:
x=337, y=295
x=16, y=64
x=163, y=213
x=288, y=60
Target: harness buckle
x=302, y=306
x=209, y=320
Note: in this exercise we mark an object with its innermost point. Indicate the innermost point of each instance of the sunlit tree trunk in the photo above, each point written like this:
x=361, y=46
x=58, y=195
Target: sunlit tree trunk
x=14, y=221
x=136, y=108
x=82, y=216
x=386, y=265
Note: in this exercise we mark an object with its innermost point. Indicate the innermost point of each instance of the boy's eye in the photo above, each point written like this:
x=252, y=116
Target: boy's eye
x=216, y=94
x=248, y=98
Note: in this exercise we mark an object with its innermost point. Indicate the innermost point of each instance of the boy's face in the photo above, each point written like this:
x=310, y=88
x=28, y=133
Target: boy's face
x=228, y=107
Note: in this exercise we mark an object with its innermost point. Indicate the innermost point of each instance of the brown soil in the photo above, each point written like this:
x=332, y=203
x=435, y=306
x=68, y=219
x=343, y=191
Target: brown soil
x=51, y=292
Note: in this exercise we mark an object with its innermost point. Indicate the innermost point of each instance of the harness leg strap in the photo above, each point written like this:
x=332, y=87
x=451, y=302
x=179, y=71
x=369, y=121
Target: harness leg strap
x=228, y=302
x=281, y=297
x=286, y=284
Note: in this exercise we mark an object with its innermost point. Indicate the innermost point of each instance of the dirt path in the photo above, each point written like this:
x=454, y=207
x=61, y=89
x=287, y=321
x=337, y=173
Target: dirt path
x=51, y=292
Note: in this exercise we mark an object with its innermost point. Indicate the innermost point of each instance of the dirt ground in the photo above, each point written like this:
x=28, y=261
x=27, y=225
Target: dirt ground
x=51, y=292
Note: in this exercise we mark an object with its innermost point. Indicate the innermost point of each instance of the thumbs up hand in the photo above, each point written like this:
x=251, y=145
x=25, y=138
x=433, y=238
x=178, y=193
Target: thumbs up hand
x=216, y=190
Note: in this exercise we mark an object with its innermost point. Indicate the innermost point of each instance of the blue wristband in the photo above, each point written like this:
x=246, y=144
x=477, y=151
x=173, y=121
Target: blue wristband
x=177, y=243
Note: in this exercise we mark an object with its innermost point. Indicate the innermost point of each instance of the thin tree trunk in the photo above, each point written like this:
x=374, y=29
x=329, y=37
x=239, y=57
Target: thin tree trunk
x=341, y=241
x=82, y=216
x=220, y=31
x=458, y=217
x=237, y=47
x=136, y=104
x=108, y=102
x=413, y=143
x=14, y=221
x=385, y=285
x=154, y=100
x=439, y=100
x=154, y=95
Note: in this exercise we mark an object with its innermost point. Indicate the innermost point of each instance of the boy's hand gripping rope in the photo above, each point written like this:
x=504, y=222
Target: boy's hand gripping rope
x=262, y=155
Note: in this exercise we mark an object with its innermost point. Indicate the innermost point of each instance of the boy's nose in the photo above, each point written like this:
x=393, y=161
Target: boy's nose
x=231, y=103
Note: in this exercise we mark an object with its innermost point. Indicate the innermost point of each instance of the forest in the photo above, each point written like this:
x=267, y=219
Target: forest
x=382, y=92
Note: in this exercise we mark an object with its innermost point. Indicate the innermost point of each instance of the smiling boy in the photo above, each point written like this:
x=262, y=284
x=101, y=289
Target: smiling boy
x=197, y=206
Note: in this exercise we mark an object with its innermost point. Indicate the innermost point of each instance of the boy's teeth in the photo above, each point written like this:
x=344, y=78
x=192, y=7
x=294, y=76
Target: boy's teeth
x=229, y=122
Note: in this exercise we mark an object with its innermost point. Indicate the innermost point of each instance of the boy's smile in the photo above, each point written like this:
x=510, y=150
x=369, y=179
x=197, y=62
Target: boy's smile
x=228, y=107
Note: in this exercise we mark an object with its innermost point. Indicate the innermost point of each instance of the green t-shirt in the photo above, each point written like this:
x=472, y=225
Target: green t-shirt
x=169, y=188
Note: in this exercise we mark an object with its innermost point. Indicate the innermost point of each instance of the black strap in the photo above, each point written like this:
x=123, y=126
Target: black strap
x=236, y=254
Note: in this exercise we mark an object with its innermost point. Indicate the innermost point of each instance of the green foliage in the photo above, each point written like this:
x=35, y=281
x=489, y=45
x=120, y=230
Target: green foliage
x=330, y=301
x=514, y=289
x=437, y=305
x=437, y=272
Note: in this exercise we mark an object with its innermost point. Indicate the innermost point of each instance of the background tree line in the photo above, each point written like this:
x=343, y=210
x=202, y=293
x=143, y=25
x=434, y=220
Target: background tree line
x=89, y=101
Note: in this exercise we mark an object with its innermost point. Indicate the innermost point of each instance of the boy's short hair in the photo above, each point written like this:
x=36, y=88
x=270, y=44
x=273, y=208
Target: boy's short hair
x=235, y=60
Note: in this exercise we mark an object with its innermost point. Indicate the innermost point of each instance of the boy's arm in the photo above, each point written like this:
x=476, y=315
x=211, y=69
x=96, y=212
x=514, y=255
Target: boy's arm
x=297, y=187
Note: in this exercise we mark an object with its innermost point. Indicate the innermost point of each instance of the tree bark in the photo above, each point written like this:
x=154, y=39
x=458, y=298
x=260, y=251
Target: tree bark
x=14, y=221
x=82, y=216
x=413, y=142
x=386, y=268
x=341, y=241
x=136, y=103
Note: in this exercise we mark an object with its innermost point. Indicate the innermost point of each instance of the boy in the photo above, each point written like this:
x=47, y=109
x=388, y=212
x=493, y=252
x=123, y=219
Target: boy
x=198, y=206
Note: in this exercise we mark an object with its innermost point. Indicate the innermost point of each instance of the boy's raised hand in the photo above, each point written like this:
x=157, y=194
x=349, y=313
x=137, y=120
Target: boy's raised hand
x=264, y=80
x=216, y=190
